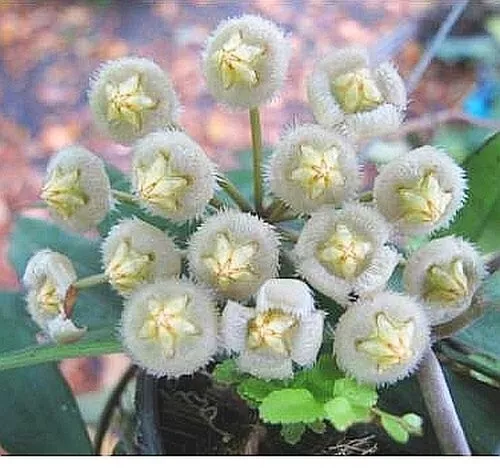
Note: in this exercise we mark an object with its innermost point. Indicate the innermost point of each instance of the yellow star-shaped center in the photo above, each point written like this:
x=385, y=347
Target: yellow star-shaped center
x=237, y=62
x=273, y=330
x=344, y=253
x=128, y=268
x=127, y=102
x=47, y=298
x=167, y=323
x=318, y=171
x=357, y=91
x=160, y=184
x=425, y=202
x=231, y=261
x=446, y=283
x=390, y=342
x=63, y=192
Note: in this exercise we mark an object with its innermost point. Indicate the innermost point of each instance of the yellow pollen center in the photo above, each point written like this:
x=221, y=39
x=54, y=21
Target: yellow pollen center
x=425, y=202
x=128, y=268
x=344, y=253
x=127, y=102
x=230, y=262
x=446, y=283
x=237, y=62
x=159, y=184
x=390, y=342
x=167, y=323
x=48, y=300
x=63, y=192
x=272, y=330
x=318, y=171
x=357, y=91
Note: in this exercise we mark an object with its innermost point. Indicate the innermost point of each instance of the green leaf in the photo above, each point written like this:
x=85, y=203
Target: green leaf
x=477, y=407
x=479, y=220
x=483, y=334
x=39, y=414
x=395, y=429
x=292, y=433
x=95, y=308
x=94, y=343
x=290, y=405
x=357, y=394
x=227, y=373
x=319, y=379
x=413, y=423
x=339, y=412
x=255, y=390
x=318, y=427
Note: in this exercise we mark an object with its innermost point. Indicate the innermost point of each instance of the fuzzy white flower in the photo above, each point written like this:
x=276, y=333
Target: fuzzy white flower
x=283, y=328
x=135, y=253
x=131, y=97
x=48, y=277
x=172, y=175
x=170, y=327
x=421, y=191
x=444, y=274
x=342, y=253
x=234, y=253
x=345, y=91
x=77, y=189
x=381, y=340
x=312, y=166
x=245, y=61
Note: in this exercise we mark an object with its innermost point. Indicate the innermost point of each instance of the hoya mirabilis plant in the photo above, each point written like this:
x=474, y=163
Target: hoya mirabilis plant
x=206, y=278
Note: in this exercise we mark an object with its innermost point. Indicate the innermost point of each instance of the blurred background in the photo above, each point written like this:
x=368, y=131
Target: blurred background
x=49, y=49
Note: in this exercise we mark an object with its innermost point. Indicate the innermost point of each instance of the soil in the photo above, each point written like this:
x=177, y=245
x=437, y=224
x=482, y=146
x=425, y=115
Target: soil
x=193, y=416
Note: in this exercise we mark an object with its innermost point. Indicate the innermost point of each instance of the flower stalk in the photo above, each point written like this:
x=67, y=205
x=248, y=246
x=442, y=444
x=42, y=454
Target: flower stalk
x=124, y=197
x=439, y=403
x=91, y=281
x=234, y=193
x=257, y=157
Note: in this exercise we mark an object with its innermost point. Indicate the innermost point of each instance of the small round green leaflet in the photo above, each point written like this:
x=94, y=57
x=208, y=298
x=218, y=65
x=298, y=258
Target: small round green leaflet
x=291, y=405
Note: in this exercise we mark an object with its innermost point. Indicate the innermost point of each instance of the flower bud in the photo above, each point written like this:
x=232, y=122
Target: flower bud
x=63, y=330
x=444, y=275
x=346, y=92
x=131, y=97
x=342, y=253
x=172, y=175
x=234, y=253
x=135, y=253
x=311, y=167
x=77, y=189
x=421, y=191
x=245, y=61
x=283, y=328
x=381, y=340
x=47, y=278
x=170, y=327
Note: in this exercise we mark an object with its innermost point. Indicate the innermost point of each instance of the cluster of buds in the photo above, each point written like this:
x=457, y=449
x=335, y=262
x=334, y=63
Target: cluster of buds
x=223, y=292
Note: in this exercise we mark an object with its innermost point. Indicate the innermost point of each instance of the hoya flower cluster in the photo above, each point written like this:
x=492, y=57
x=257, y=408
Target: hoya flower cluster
x=240, y=284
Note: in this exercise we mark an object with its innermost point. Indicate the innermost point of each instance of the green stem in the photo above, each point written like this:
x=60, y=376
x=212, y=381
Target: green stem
x=90, y=281
x=109, y=408
x=288, y=235
x=124, y=197
x=366, y=197
x=285, y=217
x=49, y=353
x=257, y=157
x=234, y=193
x=216, y=203
x=279, y=209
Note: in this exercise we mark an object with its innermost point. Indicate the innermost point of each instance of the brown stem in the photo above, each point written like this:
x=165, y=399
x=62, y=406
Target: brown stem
x=439, y=403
